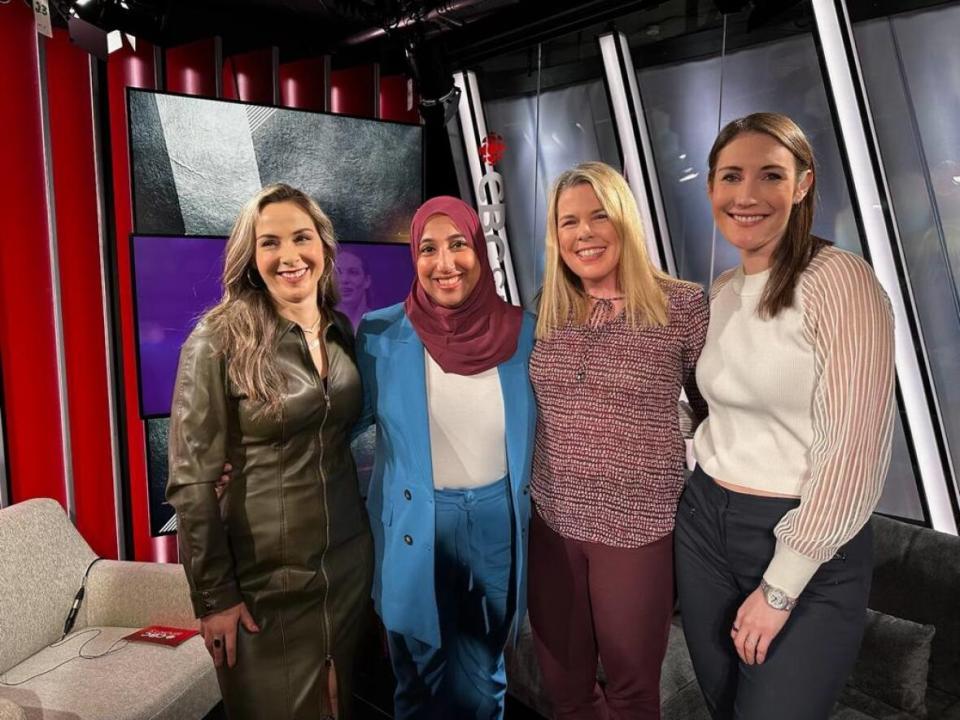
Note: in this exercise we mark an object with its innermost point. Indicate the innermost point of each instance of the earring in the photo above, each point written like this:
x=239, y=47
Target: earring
x=255, y=280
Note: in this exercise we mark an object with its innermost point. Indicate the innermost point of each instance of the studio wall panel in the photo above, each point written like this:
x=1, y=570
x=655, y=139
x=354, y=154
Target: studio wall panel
x=213, y=156
x=27, y=332
x=81, y=290
x=353, y=91
x=251, y=77
x=191, y=68
x=128, y=68
x=303, y=84
x=398, y=99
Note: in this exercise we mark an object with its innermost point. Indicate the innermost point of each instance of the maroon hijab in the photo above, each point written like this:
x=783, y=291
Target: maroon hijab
x=483, y=331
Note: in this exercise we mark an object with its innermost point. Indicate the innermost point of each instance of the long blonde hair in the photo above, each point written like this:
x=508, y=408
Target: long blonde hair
x=245, y=321
x=562, y=297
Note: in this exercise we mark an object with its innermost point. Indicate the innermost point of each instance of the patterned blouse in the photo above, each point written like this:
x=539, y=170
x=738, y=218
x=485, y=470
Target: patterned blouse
x=609, y=460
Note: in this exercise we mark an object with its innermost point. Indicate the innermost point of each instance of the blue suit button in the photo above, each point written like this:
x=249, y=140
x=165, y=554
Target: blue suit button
x=407, y=494
x=408, y=539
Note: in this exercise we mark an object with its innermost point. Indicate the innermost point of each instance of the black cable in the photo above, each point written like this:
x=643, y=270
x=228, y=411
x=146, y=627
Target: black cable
x=77, y=600
x=97, y=632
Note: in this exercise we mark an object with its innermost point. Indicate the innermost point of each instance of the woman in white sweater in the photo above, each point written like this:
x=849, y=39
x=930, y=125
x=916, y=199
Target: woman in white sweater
x=772, y=547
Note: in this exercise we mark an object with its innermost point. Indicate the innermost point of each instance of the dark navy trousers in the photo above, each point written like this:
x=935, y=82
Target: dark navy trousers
x=465, y=677
x=724, y=542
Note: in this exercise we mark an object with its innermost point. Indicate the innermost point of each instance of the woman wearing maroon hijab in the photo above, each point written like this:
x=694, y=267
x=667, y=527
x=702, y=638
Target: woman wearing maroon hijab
x=445, y=380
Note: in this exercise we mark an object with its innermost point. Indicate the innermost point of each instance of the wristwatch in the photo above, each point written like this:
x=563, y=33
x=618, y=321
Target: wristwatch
x=777, y=598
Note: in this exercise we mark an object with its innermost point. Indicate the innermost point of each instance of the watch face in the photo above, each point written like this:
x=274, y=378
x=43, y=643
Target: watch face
x=776, y=598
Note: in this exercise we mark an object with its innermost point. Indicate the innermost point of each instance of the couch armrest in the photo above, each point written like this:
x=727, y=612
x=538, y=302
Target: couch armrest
x=9, y=710
x=137, y=594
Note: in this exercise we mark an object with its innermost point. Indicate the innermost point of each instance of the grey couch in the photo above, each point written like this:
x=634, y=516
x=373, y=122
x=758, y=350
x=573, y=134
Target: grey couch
x=42, y=562
x=909, y=666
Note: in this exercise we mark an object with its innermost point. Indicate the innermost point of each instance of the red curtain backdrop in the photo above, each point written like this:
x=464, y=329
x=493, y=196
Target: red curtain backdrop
x=191, y=69
x=27, y=336
x=398, y=100
x=352, y=91
x=249, y=77
x=84, y=317
x=301, y=84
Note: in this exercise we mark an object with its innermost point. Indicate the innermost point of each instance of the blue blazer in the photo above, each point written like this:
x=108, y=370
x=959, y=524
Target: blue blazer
x=390, y=357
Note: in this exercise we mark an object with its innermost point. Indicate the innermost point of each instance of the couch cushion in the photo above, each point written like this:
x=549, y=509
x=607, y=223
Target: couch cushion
x=135, y=681
x=42, y=562
x=893, y=662
x=855, y=705
x=11, y=711
x=916, y=576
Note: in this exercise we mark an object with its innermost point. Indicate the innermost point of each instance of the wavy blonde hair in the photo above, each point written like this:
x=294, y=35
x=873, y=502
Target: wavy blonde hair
x=245, y=321
x=563, y=297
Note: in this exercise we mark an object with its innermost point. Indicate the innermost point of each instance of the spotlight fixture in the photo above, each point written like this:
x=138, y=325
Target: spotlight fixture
x=104, y=26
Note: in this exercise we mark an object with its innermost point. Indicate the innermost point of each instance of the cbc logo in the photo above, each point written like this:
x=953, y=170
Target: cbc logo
x=492, y=148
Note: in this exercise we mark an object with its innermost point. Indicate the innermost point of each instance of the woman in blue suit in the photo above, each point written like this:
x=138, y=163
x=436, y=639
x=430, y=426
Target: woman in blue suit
x=445, y=380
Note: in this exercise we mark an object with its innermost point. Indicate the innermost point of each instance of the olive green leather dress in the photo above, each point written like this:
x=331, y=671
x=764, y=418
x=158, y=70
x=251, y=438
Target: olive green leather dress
x=290, y=537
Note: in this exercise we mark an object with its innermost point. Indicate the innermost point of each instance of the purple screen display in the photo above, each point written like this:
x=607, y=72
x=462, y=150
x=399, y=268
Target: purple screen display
x=177, y=278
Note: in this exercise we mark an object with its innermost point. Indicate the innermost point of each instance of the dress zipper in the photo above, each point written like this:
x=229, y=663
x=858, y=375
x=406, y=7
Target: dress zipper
x=323, y=485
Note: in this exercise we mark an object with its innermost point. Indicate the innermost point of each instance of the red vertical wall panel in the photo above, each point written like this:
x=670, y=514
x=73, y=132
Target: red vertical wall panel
x=398, y=101
x=78, y=248
x=27, y=335
x=302, y=84
x=249, y=77
x=128, y=68
x=352, y=91
x=191, y=69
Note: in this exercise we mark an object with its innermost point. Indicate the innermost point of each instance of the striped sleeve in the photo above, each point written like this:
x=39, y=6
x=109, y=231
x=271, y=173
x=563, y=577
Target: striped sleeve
x=848, y=321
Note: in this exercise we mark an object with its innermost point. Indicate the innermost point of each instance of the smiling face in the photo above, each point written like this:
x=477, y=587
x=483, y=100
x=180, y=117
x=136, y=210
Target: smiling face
x=447, y=267
x=590, y=245
x=289, y=253
x=752, y=192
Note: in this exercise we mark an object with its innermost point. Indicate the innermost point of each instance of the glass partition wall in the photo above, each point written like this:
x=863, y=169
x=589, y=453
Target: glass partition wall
x=697, y=68
x=911, y=72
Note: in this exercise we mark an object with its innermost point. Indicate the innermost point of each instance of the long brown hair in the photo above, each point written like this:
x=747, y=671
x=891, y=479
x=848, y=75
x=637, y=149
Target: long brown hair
x=797, y=247
x=245, y=321
x=562, y=295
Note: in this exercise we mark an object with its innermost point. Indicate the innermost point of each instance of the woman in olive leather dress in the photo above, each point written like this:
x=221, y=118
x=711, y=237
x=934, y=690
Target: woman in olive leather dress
x=280, y=568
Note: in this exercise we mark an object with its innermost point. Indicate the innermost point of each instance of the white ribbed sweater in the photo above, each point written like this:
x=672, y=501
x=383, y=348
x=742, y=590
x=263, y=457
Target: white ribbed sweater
x=802, y=404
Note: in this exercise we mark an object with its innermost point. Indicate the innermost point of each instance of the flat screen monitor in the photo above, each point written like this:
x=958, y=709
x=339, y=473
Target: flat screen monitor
x=177, y=278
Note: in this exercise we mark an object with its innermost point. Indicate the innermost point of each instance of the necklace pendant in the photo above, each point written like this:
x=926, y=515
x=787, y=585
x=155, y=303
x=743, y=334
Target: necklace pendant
x=313, y=344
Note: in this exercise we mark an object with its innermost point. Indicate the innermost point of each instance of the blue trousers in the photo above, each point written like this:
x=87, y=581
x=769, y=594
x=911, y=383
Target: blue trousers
x=464, y=678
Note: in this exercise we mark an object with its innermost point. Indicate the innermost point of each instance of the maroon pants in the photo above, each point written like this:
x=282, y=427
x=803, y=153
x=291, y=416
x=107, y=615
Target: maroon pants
x=588, y=599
